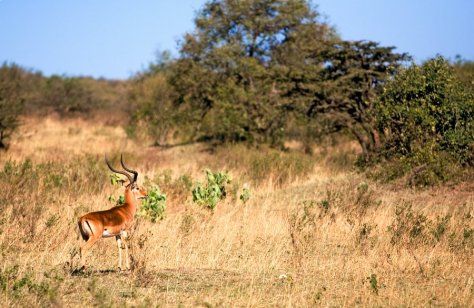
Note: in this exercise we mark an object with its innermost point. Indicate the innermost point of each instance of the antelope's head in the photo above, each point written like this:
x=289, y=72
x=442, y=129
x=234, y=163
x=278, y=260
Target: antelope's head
x=138, y=191
x=132, y=186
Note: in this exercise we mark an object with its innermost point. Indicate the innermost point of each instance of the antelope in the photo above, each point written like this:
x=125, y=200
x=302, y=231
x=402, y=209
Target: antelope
x=115, y=221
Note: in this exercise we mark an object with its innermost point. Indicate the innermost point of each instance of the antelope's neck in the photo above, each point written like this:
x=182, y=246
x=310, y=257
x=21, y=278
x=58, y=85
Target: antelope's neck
x=130, y=201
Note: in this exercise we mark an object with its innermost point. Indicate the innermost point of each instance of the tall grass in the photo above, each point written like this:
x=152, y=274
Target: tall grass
x=265, y=165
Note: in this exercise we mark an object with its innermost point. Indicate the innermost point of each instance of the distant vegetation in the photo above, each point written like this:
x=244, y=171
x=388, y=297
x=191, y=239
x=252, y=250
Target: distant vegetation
x=11, y=100
x=28, y=92
x=265, y=72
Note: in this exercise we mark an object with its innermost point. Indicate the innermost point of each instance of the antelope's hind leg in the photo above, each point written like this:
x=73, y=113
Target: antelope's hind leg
x=84, y=248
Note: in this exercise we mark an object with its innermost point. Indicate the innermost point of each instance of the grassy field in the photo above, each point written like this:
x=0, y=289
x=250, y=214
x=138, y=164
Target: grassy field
x=313, y=233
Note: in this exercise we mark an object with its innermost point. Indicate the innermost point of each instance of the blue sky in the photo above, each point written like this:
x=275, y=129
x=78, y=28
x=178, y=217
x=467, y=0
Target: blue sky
x=115, y=39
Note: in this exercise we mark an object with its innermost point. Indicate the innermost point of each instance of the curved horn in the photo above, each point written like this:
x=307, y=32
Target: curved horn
x=118, y=171
x=135, y=174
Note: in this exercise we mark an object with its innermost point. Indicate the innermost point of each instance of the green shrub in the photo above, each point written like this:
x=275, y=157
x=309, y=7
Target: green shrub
x=213, y=192
x=374, y=285
x=426, y=119
x=154, y=206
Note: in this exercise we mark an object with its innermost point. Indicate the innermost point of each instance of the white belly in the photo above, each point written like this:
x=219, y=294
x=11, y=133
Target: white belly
x=106, y=233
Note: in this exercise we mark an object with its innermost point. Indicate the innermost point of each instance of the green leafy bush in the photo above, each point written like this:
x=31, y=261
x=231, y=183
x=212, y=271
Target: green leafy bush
x=213, y=192
x=426, y=120
x=154, y=206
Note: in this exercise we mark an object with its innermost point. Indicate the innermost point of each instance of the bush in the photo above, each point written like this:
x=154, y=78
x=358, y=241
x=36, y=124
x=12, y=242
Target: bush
x=153, y=207
x=213, y=192
x=426, y=119
x=245, y=195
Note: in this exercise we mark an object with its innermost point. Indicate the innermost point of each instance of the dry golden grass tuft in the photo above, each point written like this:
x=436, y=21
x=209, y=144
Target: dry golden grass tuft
x=310, y=235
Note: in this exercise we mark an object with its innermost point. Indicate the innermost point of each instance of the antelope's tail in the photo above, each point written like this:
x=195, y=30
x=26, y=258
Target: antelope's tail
x=82, y=228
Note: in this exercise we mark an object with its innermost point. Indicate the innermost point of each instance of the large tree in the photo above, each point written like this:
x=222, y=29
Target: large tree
x=250, y=66
x=230, y=72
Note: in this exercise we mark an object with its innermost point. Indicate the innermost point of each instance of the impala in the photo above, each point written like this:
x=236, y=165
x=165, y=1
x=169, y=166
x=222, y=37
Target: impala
x=115, y=221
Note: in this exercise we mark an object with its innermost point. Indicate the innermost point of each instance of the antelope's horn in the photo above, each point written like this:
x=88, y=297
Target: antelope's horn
x=135, y=173
x=118, y=171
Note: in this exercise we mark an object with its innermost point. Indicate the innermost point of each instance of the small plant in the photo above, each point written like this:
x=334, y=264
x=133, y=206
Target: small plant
x=213, y=192
x=153, y=207
x=121, y=200
x=374, y=283
x=245, y=195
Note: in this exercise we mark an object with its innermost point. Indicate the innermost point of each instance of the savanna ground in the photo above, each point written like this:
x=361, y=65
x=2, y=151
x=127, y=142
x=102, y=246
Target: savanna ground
x=314, y=232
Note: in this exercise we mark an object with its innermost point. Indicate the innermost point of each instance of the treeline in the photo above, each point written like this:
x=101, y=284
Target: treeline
x=262, y=72
x=28, y=92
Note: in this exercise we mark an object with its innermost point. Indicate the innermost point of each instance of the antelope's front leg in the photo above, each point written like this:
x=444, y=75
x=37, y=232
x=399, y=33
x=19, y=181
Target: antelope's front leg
x=127, y=257
x=119, y=245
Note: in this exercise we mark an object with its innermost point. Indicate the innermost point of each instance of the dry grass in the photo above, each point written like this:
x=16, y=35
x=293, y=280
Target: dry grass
x=326, y=237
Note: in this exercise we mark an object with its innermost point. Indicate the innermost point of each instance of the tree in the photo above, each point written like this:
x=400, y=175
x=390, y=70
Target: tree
x=231, y=70
x=252, y=69
x=11, y=100
x=426, y=117
x=354, y=75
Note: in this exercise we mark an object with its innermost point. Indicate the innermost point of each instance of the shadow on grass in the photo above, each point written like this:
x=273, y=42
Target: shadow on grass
x=83, y=272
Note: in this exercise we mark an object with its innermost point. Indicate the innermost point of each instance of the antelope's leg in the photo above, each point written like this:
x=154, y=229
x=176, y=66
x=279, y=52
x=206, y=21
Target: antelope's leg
x=86, y=246
x=127, y=257
x=119, y=245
